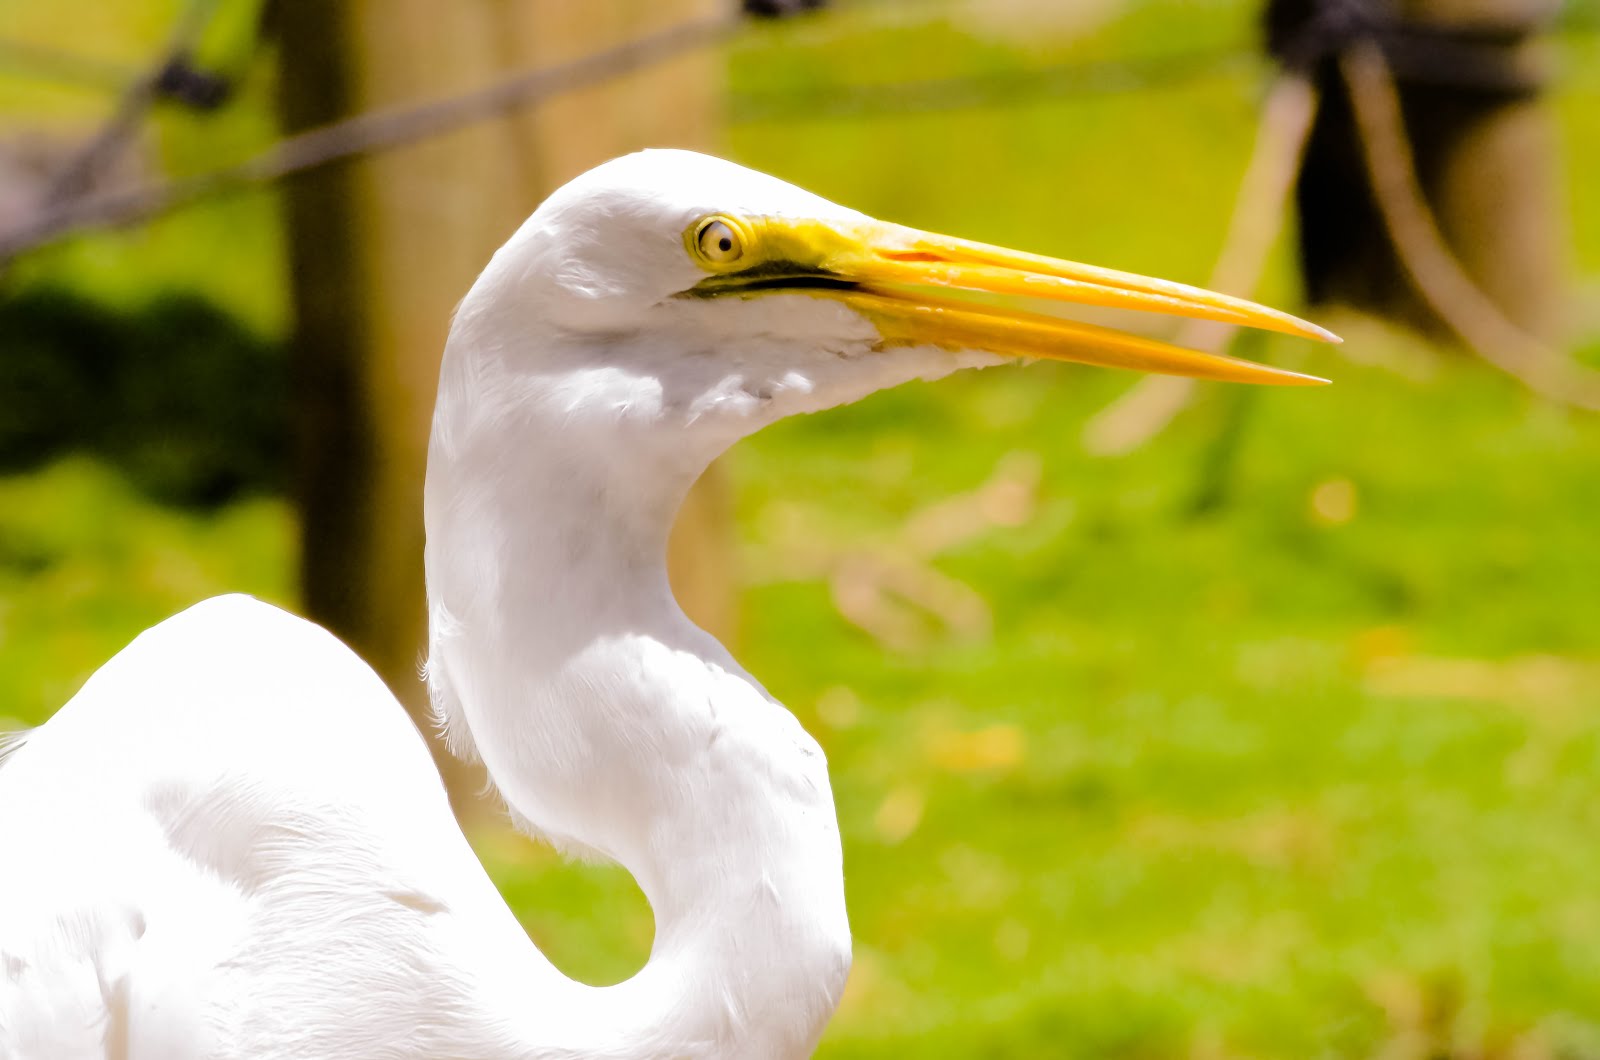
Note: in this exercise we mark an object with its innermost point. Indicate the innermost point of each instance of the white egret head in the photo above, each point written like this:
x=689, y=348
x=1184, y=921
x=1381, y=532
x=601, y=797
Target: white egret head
x=746, y=298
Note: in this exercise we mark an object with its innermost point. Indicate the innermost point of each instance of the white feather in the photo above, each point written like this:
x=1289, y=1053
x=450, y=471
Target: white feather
x=232, y=843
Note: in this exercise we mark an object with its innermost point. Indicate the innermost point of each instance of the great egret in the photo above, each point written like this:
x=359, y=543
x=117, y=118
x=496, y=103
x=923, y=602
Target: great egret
x=232, y=843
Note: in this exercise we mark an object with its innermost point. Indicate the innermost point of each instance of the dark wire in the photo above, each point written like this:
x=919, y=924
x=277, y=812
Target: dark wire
x=1009, y=88
x=363, y=134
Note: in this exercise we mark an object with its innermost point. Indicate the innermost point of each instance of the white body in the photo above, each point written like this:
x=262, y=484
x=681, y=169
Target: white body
x=226, y=831
x=232, y=844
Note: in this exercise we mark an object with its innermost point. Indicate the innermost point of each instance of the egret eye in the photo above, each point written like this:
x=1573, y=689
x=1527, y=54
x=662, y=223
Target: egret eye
x=719, y=243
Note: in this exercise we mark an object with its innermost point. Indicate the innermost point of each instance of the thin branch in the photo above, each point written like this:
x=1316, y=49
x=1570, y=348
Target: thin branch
x=1434, y=270
x=79, y=172
x=1258, y=213
x=1128, y=74
x=379, y=130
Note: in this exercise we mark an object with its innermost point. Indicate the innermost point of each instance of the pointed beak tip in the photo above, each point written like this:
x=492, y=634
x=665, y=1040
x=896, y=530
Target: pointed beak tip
x=1312, y=380
x=886, y=264
x=1305, y=329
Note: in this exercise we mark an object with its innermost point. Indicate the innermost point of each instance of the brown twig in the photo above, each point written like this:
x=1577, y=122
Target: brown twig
x=1258, y=213
x=1137, y=73
x=364, y=134
x=1433, y=269
x=891, y=589
x=100, y=151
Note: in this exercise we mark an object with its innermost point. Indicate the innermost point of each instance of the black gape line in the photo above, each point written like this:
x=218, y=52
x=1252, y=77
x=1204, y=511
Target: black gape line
x=770, y=276
x=814, y=282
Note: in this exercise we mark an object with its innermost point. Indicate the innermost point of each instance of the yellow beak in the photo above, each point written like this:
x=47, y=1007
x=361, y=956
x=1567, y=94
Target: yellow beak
x=888, y=259
x=884, y=272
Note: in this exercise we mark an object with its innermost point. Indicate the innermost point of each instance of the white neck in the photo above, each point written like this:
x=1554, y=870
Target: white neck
x=610, y=723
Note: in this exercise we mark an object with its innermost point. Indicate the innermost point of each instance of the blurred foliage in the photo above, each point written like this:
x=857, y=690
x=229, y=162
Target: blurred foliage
x=1283, y=746
x=1338, y=731
x=187, y=402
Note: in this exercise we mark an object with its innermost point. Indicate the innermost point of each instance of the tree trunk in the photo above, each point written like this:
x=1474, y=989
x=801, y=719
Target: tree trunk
x=383, y=249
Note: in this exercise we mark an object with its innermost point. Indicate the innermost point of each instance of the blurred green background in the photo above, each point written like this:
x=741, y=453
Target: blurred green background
x=1278, y=737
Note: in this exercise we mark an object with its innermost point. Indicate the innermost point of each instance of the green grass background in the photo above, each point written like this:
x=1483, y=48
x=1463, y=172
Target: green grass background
x=1279, y=737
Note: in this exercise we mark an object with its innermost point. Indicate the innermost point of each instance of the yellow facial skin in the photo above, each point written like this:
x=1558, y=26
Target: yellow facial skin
x=876, y=267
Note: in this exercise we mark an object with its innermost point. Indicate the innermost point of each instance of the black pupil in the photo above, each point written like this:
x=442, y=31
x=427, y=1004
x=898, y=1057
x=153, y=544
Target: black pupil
x=725, y=243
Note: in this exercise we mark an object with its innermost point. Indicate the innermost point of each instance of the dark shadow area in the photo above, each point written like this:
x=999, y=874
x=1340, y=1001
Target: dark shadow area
x=180, y=396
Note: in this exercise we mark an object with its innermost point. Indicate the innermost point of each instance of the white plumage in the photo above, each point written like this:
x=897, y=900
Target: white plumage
x=232, y=843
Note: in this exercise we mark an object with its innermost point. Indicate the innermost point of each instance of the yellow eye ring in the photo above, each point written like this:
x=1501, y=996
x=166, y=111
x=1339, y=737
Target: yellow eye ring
x=717, y=242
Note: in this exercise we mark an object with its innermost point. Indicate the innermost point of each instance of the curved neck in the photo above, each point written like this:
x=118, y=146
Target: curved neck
x=611, y=724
